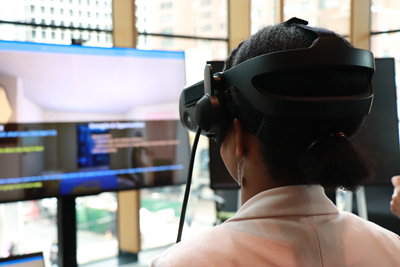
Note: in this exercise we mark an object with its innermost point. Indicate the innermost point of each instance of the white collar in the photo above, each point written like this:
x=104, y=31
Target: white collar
x=301, y=200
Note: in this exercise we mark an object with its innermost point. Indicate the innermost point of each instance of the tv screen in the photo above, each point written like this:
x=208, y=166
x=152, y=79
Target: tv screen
x=82, y=120
x=379, y=135
x=27, y=260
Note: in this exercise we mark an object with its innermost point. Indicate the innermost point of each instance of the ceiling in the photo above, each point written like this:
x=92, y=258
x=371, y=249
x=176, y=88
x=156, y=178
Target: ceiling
x=94, y=82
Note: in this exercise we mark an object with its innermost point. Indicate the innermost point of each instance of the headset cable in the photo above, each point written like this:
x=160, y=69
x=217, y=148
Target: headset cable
x=188, y=183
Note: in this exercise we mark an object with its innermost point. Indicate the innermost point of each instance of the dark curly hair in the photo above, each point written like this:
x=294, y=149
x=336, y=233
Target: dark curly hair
x=332, y=162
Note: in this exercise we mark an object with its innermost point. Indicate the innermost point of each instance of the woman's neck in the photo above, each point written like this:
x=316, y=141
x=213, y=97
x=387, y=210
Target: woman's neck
x=256, y=174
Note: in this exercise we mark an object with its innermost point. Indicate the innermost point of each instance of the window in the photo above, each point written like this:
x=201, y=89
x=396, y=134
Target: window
x=106, y=16
x=206, y=15
x=167, y=30
x=80, y=13
x=33, y=34
x=52, y=22
x=71, y=12
x=166, y=18
x=89, y=25
x=88, y=14
x=42, y=21
x=42, y=9
x=32, y=9
x=52, y=10
x=80, y=24
x=384, y=18
x=326, y=4
x=88, y=2
x=166, y=5
x=205, y=2
x=105, y=4
x=79, y=2
x=43, y=35
x=62, y=23
x=307, y=7
x=33, y=20
x=62, y=35
x=61, y=11
x=53, y=35
x=98, y=38
x=97, y=15
x=71, y=24
x=70, y=1
x=206, y=28
x=197, y=13
x=332, y=14
x=97, y=3
x=168, y=41
x=19, y=218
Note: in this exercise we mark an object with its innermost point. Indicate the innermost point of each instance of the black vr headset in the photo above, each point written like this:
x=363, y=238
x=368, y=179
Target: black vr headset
x=202, y=104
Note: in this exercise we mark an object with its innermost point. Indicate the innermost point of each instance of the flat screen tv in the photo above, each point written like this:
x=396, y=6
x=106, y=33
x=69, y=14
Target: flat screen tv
x=26, y=260
x=379, y=134
x=80, y=120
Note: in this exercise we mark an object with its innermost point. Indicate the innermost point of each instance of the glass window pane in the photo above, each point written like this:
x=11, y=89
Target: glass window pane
x=161, y=207
x=330, y=14
x=263, y=13
x=10, y=32
x=385, y=15
x=190, y=17
x=54, y=15
x=218, y=50
x=96, y=223
x=28, y=227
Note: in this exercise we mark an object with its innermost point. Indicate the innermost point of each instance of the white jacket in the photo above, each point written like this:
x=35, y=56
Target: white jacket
x=288, y=226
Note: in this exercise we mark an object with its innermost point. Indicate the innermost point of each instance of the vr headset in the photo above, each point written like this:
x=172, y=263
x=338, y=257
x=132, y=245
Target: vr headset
x=203, y=104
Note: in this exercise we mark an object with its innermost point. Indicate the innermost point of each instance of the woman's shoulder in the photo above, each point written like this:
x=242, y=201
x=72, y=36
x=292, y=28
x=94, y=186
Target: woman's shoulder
x=203, y=249
x=371, y=229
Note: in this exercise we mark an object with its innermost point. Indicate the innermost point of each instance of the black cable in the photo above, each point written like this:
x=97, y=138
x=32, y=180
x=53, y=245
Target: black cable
x=188, y=183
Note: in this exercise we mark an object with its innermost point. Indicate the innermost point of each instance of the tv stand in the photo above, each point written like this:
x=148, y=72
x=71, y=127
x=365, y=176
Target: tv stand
x=67, y=241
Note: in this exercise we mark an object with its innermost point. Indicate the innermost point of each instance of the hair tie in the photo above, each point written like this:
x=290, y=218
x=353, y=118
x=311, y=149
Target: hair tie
x=339, y=134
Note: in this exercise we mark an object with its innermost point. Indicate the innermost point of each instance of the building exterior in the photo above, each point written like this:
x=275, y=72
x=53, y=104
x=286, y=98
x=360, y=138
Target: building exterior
x=85, y=14
x=196, y=18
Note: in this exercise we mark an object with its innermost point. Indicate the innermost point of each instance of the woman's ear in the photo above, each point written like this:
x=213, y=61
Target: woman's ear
x=240, y=142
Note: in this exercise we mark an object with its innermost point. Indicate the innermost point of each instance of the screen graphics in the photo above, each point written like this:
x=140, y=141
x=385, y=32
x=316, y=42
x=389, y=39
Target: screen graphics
x=82, y=120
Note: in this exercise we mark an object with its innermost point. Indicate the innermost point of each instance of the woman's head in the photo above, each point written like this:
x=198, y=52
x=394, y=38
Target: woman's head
x=283, y=143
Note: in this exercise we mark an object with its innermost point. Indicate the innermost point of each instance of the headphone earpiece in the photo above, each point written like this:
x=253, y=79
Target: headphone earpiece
x=210, y=111
x=210, y=115
x=223, y=120
x=206, y=113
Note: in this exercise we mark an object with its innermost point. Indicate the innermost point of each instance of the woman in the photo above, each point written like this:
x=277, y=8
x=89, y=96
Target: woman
x=282, y=166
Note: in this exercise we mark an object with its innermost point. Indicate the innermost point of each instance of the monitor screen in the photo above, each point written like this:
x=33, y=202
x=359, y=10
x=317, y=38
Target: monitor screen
x=380, y=132
x=82, y=120
x=28, y=260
